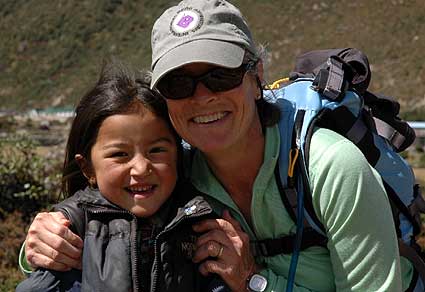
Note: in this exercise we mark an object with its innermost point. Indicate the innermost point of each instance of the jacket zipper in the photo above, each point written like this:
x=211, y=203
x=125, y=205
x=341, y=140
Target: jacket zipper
x=133, y=244
x=169, y=228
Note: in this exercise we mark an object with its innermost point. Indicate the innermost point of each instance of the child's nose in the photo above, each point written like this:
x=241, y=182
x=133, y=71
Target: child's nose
x=141, y=166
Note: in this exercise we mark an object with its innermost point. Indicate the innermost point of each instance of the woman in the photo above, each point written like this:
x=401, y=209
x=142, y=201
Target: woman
x=206, y=65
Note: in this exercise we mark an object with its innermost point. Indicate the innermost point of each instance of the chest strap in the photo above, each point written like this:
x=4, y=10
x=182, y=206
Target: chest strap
x=285, y=244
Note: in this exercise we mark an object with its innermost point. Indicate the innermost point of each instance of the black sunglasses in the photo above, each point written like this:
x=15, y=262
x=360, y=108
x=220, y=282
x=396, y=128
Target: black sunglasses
x=179, y=85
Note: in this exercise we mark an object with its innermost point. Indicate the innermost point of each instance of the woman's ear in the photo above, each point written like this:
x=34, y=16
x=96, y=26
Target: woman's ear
x=259, y=76
x=260, y=71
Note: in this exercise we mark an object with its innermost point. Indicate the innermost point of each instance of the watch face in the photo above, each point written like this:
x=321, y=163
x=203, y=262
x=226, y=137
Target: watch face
x=257, y=283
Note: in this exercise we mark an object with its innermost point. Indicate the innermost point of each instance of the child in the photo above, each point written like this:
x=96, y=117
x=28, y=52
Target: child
x=121, y=163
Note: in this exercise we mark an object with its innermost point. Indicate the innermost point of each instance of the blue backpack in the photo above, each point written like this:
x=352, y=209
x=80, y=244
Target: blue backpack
x=329, y=89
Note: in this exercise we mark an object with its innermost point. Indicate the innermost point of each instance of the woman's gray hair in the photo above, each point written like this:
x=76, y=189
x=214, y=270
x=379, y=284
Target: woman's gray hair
x=269, y=112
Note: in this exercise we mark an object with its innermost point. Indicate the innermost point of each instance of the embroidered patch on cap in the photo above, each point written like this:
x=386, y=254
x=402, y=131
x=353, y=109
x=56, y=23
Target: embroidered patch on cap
x=185, y=21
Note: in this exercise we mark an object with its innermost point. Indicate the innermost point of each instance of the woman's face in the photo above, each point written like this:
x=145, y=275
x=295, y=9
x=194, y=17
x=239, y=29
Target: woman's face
x=217, y=121
x=134, y=161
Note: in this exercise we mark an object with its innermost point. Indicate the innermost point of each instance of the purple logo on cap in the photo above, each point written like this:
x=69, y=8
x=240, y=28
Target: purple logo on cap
x=185, y=21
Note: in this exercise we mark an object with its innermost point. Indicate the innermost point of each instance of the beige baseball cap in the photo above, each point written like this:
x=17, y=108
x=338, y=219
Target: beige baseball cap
x=208, y=31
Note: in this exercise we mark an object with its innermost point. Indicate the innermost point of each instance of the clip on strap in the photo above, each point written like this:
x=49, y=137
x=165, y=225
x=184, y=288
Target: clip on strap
x=388, y=132
x=276, y=84
x=293, y=155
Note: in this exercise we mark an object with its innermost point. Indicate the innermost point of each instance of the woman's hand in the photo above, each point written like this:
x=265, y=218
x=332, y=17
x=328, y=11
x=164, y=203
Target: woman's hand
x=50, y=244
x=224, y=249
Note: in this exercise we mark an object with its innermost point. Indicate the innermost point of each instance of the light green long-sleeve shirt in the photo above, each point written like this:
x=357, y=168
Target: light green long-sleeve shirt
x=349, y=200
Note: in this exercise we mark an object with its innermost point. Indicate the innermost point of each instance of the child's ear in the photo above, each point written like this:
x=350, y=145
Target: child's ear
x=86, y=168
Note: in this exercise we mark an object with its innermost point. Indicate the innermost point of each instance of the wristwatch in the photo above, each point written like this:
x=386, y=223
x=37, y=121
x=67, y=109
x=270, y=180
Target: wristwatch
x=257, y=283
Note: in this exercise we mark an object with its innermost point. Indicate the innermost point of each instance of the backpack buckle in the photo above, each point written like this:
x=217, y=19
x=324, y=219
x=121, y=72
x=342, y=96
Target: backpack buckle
x=330, y=82
x=333, y=88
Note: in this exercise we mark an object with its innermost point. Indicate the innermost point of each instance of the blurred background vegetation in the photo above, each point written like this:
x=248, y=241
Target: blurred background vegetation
x=51, y=51
x=27, y=185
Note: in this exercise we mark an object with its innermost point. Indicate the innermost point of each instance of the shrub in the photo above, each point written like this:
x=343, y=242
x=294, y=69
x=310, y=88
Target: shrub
x=12, y=232
x=28, y=181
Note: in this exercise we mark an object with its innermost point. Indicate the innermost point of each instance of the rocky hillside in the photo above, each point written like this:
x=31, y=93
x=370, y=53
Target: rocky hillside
x=50, y=51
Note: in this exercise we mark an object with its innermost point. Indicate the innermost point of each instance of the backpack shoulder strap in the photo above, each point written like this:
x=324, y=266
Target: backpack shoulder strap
x=418, y=263
x=291, y=175
x=305, y=108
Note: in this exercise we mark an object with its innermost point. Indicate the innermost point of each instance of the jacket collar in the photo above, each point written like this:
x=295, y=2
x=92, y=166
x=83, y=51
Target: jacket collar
x=198, y=207
x=92, y=198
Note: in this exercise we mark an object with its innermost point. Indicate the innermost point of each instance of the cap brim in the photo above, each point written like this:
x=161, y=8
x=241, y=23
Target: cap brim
x=215, y=52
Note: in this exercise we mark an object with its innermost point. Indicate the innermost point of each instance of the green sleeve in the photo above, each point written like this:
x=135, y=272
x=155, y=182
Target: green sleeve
x=22, y=261
x=277, y=283
x=351, y=202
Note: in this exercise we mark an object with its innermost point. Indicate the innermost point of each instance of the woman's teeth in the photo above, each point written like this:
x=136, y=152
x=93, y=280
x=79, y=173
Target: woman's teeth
x=209, y=118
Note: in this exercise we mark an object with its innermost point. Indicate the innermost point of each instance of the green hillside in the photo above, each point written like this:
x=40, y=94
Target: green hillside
x=50, y=51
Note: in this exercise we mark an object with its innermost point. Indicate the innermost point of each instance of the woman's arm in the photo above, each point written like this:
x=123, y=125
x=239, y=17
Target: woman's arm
x=51, y=244
x=351, y=202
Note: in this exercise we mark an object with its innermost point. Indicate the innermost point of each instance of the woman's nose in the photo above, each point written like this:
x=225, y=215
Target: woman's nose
x=202, y=93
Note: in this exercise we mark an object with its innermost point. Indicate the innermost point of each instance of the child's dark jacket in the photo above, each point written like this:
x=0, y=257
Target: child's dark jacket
x=111, y=257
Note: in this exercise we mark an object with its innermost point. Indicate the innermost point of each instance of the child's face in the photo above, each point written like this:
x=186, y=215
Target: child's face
x=134, y=161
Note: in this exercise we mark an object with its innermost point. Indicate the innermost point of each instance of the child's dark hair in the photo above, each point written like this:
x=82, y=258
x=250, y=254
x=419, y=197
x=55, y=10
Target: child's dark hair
x=116, y=91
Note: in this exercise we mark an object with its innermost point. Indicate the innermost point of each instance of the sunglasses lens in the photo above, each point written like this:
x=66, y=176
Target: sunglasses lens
x=179, y=86
x=176, y=86
x=223, y=79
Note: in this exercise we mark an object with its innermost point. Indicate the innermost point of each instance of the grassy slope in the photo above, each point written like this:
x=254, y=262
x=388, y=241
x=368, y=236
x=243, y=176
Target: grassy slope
x=52, y=50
